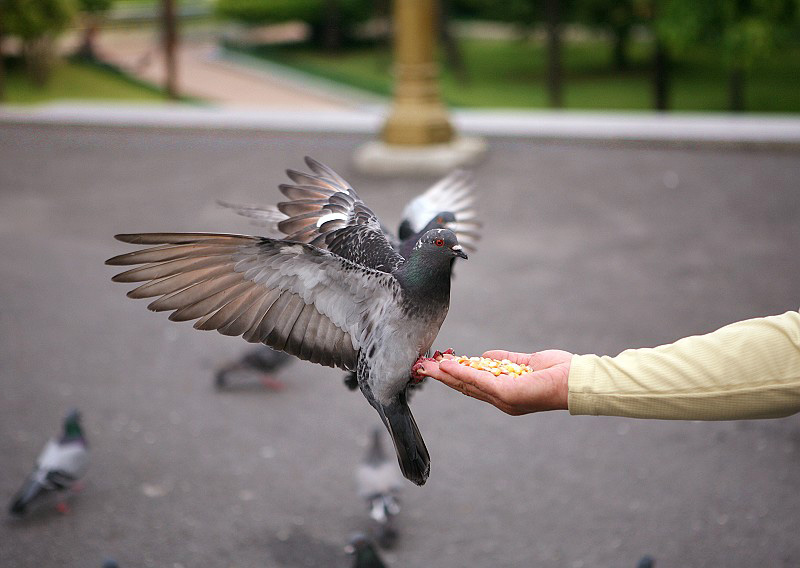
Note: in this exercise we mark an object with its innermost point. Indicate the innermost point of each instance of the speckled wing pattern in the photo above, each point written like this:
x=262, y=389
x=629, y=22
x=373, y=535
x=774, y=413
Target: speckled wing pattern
x=453, y=193
x=294, y=297
x=325, y=211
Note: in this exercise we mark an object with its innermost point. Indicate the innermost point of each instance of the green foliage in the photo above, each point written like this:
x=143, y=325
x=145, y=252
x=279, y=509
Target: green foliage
x=95, y=6
x=523, y=12
x=75, y=80
x=313, y=12
x=511, y=74
x=32, y=19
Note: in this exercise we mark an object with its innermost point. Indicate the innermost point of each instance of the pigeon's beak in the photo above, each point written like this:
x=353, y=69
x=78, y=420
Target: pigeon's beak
x=459, y=251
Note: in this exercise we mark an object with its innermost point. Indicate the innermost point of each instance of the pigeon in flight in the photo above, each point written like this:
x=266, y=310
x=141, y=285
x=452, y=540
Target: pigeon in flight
x=343, y=297
x=379, y=484
x=62, y=462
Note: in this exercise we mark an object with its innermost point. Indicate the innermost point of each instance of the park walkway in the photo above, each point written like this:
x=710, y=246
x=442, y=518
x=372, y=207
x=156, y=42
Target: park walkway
x=204, y=75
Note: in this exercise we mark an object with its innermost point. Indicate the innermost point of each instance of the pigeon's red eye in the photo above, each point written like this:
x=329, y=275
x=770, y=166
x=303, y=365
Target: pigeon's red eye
x=439, y=242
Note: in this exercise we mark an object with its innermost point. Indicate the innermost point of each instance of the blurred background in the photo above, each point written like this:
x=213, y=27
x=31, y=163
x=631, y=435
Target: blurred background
x=637, y=179
x=722, y=55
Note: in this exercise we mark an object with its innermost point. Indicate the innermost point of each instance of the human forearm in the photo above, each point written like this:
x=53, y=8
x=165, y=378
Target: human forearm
x=749, y=369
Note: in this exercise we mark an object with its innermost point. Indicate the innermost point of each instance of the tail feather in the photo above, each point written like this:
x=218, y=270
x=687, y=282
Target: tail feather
x=415, y=462
x=30, y=491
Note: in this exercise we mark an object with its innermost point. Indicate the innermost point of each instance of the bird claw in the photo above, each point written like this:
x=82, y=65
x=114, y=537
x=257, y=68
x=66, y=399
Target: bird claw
x=437, y=355
x=62, y=508
x=416, y=376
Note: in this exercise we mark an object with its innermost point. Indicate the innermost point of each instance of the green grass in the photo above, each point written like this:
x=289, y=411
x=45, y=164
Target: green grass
x=74, y=80
x=511, y=74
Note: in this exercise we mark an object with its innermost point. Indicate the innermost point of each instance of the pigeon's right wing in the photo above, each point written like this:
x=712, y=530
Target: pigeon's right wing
x=325, y=211
x=453, y=193
x=291, y=296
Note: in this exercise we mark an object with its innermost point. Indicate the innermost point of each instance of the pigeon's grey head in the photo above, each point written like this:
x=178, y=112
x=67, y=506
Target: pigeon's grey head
x=440, y=243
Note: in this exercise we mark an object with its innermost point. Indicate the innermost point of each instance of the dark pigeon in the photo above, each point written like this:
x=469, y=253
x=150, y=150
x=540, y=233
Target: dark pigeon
x=61, y=464
x=335, y=292
x=364, y=553
x=262, y=361
x=379, y=484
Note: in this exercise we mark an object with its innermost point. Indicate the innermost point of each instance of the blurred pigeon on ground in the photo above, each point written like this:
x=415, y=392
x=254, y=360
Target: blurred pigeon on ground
x=379, y=484
x=62, y=462
x=646, y=561
x=262, y=362
x=354, y=304
x=364, y=553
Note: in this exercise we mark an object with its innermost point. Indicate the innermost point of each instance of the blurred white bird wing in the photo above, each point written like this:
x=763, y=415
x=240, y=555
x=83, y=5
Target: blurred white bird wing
x=453, y=193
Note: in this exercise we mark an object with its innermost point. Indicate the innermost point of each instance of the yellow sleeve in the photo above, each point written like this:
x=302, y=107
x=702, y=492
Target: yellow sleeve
x=748, y=369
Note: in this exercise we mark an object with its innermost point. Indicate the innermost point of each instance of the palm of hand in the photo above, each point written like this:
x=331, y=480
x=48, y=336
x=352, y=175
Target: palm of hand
x=543, y=389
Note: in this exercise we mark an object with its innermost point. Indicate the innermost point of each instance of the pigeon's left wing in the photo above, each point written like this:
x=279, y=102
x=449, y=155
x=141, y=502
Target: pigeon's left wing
x=453, y=193
x=291, y=296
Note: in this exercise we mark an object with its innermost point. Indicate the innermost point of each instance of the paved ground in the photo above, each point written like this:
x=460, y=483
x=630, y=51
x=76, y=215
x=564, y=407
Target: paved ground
x=203, y=76
x=589, y=248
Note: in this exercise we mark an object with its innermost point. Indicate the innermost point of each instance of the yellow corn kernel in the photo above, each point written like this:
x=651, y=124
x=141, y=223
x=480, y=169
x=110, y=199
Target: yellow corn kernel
x=495, y=367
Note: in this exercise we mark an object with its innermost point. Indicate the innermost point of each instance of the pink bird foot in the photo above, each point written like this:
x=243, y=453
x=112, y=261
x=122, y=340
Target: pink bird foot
x=271, y=383
x=62, y=508
x=416, y=376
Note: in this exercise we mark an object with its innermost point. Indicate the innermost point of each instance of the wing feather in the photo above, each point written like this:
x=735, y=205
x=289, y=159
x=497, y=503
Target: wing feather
x=291, y=296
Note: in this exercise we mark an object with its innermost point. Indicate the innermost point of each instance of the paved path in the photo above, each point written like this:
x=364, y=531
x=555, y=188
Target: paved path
x=588, y=247
x=202, y=75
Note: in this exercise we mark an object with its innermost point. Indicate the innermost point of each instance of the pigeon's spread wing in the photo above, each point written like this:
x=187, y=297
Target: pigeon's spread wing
x=453, y=193
x=266, y=216
x=291, y=296
x=325, y=211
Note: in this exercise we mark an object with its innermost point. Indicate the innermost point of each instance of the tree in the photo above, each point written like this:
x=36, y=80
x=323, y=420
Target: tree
x=37, y=23
x=92, y=14
x=747, y=31
x=170, y=44
x=331, y=21
x=617, y=17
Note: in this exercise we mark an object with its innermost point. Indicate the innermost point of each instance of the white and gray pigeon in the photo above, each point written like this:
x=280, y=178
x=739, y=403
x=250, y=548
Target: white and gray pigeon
x=354, y=304
x=63, y=462
x=379, y=484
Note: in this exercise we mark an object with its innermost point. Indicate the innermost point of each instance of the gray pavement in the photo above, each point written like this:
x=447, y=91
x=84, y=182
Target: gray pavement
x=591, y=248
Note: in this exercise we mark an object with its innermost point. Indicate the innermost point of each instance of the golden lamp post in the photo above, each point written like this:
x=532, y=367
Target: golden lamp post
x=417, y=136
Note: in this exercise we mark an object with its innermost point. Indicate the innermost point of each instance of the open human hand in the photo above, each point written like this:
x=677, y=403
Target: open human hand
x=543, y=389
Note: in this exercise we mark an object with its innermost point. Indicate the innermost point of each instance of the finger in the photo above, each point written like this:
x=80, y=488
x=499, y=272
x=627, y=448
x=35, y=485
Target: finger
x=484, y=381
x=457, y=384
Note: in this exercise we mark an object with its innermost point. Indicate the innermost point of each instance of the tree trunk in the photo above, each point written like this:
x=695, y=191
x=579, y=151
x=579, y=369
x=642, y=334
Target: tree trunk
x=332, y=26
x=87, y=49
x=2, y=61
x=453, y=58
x=620, y=49
x=38, y=55
x=554, y=71
x=170, y=39
x=661, y=74
x=736, y=89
